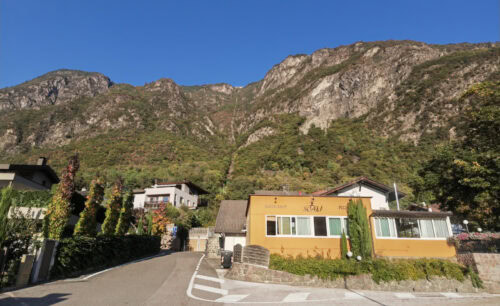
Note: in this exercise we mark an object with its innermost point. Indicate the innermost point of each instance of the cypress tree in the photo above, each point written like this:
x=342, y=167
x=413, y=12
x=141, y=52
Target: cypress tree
x=113, y=210
x=343, y=246
x=359, y=229
x=140, y=227
x=125, y=214
x=59, y=209
x=87, y=224
x=150, y=223
x=5, y=203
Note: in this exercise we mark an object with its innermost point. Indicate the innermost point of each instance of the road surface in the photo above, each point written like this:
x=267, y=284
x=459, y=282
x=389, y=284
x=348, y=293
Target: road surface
x=189, y=279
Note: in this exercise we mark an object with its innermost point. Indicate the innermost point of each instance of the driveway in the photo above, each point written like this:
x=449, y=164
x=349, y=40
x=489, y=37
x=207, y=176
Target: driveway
x=189, y=279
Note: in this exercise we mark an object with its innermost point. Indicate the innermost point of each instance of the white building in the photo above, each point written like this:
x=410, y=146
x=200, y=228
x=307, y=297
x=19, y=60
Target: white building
x=363, y=187
x=176, y=193
x=231, y=223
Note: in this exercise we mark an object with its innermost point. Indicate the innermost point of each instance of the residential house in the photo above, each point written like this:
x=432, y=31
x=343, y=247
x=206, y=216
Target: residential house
x=312, y=225
x=176, y=193
x=28, y=177
x=231, y=223
x=380, y=194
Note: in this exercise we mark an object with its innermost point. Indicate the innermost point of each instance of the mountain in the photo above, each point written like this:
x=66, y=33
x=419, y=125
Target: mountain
x=370, y=108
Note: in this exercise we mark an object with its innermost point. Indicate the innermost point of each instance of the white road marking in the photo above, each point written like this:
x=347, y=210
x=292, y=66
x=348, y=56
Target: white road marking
x=212, y=279
x=404, y=295
x=451, y=294
x=210, y=289
x=296, y=297
x=231, y=298
x=352, y=295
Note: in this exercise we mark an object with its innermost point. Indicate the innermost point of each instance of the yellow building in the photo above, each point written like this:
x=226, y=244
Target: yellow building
x=312, y=225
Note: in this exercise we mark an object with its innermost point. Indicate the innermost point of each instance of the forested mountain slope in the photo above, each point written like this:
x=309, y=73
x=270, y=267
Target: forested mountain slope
x=376, y=109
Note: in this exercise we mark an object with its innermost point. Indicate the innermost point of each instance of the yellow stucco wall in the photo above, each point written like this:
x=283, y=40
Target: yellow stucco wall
x=260, y=206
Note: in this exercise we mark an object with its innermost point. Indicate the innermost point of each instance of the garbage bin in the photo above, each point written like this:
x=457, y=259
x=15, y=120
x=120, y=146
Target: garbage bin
x=226, y=259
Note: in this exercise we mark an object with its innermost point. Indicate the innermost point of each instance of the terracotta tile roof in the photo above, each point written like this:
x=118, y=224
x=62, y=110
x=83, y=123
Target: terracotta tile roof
x=231, y=217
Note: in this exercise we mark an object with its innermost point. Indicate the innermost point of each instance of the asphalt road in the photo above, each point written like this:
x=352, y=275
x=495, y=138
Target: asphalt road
x=190, y=279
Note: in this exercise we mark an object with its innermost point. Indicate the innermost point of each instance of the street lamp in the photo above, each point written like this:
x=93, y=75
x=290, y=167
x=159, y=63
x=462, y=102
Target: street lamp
x=479, y=229
x=465, y=222
x=358, y=258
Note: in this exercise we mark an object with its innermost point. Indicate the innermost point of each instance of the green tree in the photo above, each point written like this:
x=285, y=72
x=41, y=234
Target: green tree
x=113, y=210
x=343, y=246
x=359, y=229
x=464, y=175
x=87, y=224
x=140, y=227
x=150, y=223
x=125, y=214
x=59, y=209
x=7, y=195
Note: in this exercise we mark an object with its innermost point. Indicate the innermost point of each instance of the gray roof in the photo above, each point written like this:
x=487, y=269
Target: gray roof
x=231, y=217
x=410, y=214
x=28, y=170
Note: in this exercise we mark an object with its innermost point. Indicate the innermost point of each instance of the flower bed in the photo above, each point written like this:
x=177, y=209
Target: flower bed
x=476, y=242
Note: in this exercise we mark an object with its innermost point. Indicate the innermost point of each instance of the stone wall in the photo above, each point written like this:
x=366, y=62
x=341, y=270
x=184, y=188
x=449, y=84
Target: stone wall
x=213, y=247
x=252, y=273
x=487, y=266
x=237, y=253
x=256, y=255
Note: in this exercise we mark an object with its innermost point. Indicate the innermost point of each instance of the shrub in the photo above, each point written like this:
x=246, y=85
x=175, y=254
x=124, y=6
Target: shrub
x=359, y=231
x=343, y=246
x=113, y=210
x=381, y=270
x=125, y=214
x=83, y=254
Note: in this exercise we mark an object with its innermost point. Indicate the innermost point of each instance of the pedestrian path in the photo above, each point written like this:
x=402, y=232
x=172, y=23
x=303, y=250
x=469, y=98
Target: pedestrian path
x=212, y=287
x=230, y=291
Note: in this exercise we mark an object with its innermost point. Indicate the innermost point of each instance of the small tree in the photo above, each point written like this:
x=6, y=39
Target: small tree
x=125, y=214
x=343, y=246
x=113, y=210
x=150, y=223
x=359, y=230
x=5, y=204
x=59, y=209
x=87, y=224
x=140, y=227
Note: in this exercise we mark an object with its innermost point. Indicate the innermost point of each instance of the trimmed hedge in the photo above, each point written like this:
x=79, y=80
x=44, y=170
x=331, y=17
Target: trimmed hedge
x=78, y=255
x=381, y=270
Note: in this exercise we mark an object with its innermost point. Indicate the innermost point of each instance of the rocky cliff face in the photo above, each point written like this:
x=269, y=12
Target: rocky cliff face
x=56, y=87
x=399, y=88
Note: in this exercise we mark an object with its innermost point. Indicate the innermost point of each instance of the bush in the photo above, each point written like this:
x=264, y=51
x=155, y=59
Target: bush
x=381, y=270
x=83, y=254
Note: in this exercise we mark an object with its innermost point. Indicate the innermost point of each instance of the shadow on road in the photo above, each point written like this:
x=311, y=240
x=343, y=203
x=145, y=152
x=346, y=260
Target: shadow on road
x=49, y=299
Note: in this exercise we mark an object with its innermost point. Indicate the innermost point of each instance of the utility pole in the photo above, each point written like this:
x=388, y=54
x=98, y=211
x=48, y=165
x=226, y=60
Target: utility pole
x=396, y=194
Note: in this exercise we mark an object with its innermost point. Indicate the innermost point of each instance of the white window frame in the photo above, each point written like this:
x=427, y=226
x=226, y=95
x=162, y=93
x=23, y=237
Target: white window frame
x=311, y=224
x=419, y=230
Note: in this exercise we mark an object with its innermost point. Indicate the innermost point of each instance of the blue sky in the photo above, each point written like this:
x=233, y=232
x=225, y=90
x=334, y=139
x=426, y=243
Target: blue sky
x=201, y=42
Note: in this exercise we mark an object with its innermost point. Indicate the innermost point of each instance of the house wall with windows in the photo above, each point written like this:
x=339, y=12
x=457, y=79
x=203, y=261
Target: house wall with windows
x=176, y=194
x=311, y=226
x=298, y=225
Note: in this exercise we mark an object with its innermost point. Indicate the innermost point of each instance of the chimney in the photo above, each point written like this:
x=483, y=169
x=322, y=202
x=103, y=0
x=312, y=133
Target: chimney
x=42, y=161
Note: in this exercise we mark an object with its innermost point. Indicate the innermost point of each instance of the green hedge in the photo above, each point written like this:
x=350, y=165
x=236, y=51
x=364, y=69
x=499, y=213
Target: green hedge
x=381, y=270
x=84, y=254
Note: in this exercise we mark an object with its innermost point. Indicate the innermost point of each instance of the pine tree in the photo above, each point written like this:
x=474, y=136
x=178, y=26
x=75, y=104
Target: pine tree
x=125, y=214
x=113, y=210
x=5, y=204
x=343, y=246
x=58, y=211
x=150, y=223
x=87, y=224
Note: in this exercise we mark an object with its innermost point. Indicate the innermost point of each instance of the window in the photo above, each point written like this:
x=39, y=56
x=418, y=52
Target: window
x=271, y=225
x=407, y=228
x=385, y=227
x=304, y=226
x=166, y=198
x=441, y=228
x=426, y=228
x=320, y=226
x=337, y=226
x=411, y=228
